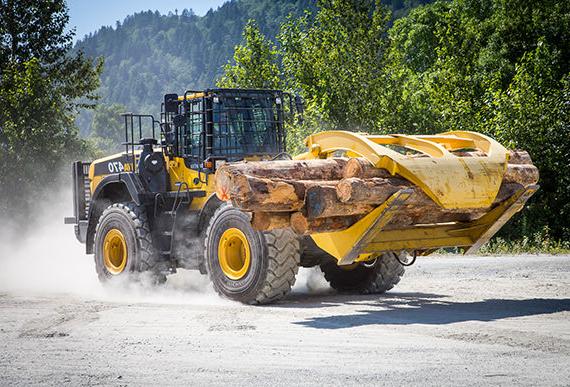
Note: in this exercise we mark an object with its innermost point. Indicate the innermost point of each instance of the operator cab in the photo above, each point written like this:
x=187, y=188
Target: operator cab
x=206, y=127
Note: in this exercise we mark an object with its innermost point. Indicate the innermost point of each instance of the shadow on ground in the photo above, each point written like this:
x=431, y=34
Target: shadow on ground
x=423, y=308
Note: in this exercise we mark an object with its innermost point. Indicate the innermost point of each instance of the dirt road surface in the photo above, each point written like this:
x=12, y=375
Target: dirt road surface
x=451, y=321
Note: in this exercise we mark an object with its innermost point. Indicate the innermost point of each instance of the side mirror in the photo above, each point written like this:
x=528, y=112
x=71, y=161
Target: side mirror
x=171, y=103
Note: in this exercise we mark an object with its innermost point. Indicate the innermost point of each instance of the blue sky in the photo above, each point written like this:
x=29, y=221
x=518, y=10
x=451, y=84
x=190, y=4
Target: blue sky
x=89, y=15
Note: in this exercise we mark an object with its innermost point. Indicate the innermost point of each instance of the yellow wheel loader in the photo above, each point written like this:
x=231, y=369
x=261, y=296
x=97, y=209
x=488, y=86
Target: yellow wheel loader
x=167, y=202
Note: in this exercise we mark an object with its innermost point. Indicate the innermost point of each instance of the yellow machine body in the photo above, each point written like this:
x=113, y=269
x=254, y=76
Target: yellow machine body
x=451, y=181
x=177, y=170
x=428, y=161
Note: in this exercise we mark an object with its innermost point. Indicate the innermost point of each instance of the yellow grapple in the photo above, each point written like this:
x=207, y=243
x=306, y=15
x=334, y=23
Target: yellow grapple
x=451, y=181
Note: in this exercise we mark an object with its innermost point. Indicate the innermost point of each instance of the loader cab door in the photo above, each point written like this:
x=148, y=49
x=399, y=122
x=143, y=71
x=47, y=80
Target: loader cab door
x=194, y=135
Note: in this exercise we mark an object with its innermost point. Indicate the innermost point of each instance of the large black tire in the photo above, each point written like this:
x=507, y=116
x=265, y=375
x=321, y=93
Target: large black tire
x=273, y=265
x=374, y=278
x=132, y=222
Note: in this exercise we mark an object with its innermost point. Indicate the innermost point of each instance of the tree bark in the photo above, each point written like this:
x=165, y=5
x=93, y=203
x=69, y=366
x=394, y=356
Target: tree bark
x=524, y=174
x=304, y=226
x=266, y=221
x=318, y=169
x=362, y=168
x=372, y=191
x=519, y=157
x=257, y=194
x=322, y=202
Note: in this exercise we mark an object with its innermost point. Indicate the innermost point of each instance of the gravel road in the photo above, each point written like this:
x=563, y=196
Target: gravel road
x=451, y=321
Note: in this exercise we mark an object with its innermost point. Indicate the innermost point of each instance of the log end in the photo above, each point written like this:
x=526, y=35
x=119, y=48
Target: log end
x=299, y=223
x=344, y=190
x=354, y=168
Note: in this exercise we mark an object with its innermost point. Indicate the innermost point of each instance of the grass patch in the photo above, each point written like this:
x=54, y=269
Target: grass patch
x=526, y=245
x=537, y=243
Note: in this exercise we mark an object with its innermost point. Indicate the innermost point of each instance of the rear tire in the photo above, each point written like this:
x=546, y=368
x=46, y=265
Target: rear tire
x=263, y=266
x=123, y=244
x=364, y=278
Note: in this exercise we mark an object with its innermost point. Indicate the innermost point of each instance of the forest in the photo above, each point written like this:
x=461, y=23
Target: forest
x=500, y=67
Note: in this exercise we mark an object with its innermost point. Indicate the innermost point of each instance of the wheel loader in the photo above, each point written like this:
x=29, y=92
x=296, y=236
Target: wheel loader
x=209, y=186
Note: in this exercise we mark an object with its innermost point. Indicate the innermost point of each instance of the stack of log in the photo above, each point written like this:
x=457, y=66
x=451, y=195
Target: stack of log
x=326, y=195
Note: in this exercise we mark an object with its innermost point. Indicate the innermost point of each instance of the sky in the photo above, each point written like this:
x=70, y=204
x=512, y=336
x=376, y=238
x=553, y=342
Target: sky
x=89, y=15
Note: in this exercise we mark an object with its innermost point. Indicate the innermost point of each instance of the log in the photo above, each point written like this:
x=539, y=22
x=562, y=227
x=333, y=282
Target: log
x=419, y=209
x=304, y=226
x=524, y=174
x=518, y=156
x=362, y=168
x=322, y=199
x=370, y=191
x=258, y=194
x=318, y=169
x=322, y=202
x=265, y=221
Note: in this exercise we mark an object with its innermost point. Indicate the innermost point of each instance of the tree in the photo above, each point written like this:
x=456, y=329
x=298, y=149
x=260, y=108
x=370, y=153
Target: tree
x=334, y=60
x=255, y=63
x=42, y=87
x=495, y=66
x=107, y=128
x=533, y=113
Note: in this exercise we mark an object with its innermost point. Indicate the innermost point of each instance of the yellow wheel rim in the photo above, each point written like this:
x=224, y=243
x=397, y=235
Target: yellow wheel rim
x=115, y=252
x=234, y=253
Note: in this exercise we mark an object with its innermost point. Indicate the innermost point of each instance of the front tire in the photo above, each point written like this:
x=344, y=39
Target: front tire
x=246, y=265
x=123, y=244
x=374, y=278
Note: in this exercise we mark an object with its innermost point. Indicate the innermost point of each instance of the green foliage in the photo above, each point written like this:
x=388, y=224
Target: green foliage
x=539, y=242
x=107, y=128
x=332, y=60
x=256, y=63
x=497, y=67
x=533, y=113
x=41, y=89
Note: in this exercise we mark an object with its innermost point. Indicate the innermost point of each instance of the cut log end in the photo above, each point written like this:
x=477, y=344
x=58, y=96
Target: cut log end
x=362, y=168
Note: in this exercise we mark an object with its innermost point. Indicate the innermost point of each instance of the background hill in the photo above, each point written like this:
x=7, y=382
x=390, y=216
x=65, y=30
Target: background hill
x=149, y=54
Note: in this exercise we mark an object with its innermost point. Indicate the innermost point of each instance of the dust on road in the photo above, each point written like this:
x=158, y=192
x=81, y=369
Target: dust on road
x=452, y=320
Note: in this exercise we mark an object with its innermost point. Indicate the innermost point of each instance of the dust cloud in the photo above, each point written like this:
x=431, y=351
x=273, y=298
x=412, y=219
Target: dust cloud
x=47, y=259
x=311, y=281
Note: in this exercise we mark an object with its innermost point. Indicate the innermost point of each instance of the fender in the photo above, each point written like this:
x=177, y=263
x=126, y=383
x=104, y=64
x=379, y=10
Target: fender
x=207, y=211
x=124, y=186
